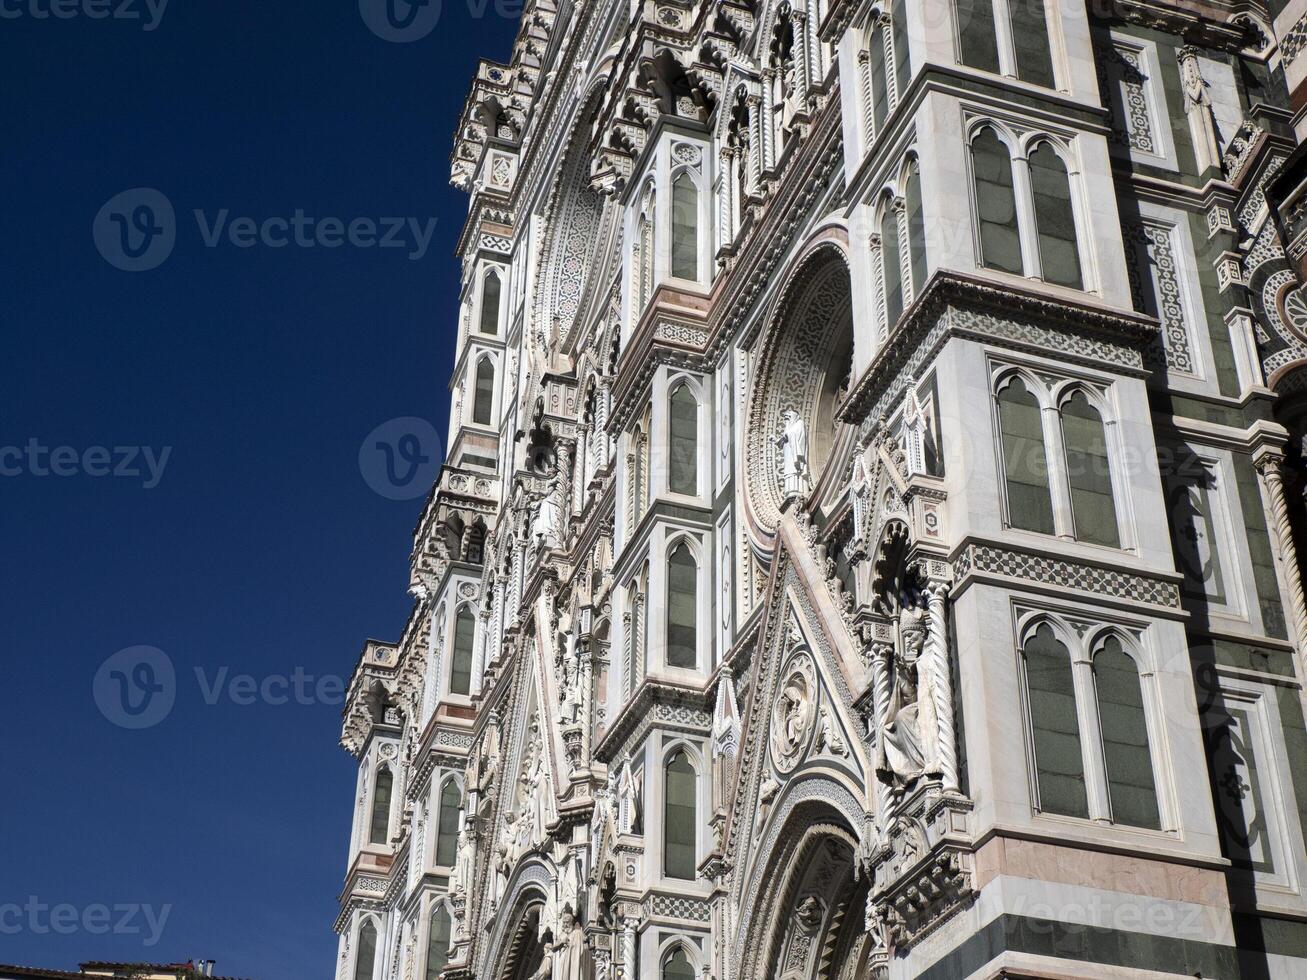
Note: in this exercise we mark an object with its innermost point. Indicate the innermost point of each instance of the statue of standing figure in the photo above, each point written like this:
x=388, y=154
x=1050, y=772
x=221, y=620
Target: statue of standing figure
x=906, y=749
x=547, y=525
x=1198, y=107
x=796, y=477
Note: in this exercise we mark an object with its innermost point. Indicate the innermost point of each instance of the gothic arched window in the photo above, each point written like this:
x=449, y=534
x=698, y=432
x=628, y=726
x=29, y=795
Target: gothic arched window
x=680, y=832
x=1132, y=793
x=879, y=76
x=682, y=614
x=1055, y=726
x=1088, y=472
x=996, y=204
x=902, y=58
x=447, y=824
x=490, y=290
x=1055, y=219
x=483, y=405
x=366, y=953
x=916, y=219
x=379, y=830
x=460, y=666
x=676, y=966
x=685, y=227
x=438, y=942
x=891, y=275
x=683, y=441
x=1025, y=465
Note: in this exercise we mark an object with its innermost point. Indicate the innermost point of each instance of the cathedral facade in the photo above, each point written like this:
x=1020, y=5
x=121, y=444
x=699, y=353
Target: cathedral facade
x=867, y=545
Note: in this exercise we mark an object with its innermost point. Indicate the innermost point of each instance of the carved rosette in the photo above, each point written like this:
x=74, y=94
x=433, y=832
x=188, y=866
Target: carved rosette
x=794, y=713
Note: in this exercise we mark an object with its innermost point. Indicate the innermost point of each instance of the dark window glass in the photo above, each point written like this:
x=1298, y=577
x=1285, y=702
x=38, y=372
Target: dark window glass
x=1055, y=219
x=685, y=227
x=1029, y=502
x=1030, y=37
x=879, y=80
x=1125, y=737
x=979, y=43
x=490, y=303
x=682, y=624
x=996, y=204
x=682, y=475
x=1059, y=763
x=460, y=671
x=447, y=825
x=1088, y=472
x=891, y=270
x=379, y=832
x=902, y=59
x=438, y=943
x=916, y=232
x=483, y=406
x=677, y=967
x=679, y=858
x=364, y=959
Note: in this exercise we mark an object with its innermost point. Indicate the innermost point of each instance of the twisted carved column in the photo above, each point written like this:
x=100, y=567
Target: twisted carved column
x=881, y=654
x=936, y=597
x=1269, y=463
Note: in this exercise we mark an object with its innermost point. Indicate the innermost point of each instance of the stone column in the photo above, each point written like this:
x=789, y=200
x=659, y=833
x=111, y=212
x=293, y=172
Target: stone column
x=937, y=614
x=882, y=654
x=1269, y=463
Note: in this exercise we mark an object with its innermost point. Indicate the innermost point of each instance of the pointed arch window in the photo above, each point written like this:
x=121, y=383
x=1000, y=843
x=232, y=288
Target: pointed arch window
x=680, y=831
x=891, y=275
x=1054, y=725
x=915, y=215
x=460, y=667
x=483, y=405
x=683, y=429
x=1055, y=219
x=379, y=830
x=996, y=204
x=438, y=941
x=902, y=56
x=490, y=292
x=1132, y=792
x=1025, y=465
x=677, y=965
x=1088, y=472
x=644, y=244
x=682, y=612
x=365, y=955
x=879, y=76
x=685, y=226
x=447, y=824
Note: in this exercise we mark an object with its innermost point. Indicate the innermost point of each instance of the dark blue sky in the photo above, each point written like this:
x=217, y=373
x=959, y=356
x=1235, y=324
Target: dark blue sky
x=261, y=549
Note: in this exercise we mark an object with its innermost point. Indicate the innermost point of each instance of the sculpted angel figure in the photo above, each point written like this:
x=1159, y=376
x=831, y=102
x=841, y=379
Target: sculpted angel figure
x=793, y=441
